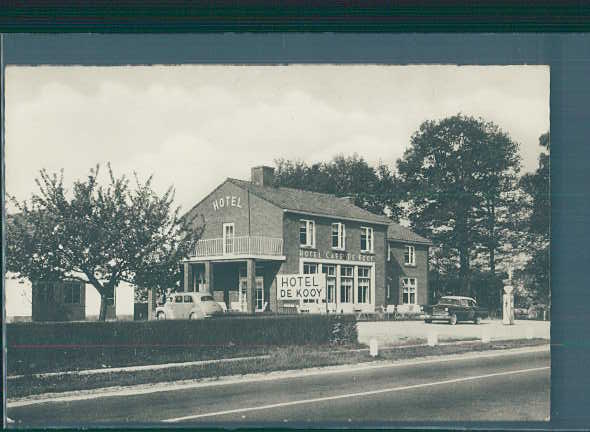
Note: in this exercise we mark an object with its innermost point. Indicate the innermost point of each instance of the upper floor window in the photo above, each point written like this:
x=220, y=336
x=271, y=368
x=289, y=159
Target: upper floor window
x=307, y=233
x=366, y=239
x=338, y=236
x=410, y=256
x=388, y=252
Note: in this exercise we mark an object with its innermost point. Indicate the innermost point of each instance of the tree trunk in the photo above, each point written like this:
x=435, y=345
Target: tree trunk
x=103, y=308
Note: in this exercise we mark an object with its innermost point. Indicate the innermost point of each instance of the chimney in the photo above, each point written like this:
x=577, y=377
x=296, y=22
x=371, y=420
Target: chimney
x=262, y=175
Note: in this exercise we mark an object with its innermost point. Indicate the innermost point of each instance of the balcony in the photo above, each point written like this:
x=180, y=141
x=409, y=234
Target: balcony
x=246, y=246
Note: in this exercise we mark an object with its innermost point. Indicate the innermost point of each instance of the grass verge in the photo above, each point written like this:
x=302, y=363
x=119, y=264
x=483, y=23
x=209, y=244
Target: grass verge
x=289, y=358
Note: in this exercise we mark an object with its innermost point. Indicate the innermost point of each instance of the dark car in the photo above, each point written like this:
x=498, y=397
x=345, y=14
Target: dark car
x=455, y=308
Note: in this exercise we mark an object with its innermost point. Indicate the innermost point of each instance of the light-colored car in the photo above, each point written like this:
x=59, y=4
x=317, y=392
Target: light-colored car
x=188, y=305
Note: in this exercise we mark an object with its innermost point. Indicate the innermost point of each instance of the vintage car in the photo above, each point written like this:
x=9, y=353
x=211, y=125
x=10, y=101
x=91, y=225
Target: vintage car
x=188, y=305
x=455, y=308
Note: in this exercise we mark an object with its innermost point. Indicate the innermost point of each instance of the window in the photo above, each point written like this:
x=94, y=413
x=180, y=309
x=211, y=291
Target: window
x=310, y=268
x=189, y=299
x=346, y=283
x=388, y=290
x=366, y=239
x=388, y=252
x=330, y=271
x=203, y=299
x=178, y=299
x=410, y=256
x=364, y=285
x=71, y=292
x=228, y=238
x=338, y=235
x=307, y=233
x=409, y=290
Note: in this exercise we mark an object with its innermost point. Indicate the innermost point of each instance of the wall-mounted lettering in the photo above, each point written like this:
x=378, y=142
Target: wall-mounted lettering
x=227, y=201
x=340, y=256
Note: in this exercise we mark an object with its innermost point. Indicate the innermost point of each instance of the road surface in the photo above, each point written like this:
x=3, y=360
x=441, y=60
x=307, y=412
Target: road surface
x=509, y=387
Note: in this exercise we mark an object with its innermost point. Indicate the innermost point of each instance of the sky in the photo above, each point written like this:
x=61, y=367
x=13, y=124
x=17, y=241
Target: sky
x=194, y=125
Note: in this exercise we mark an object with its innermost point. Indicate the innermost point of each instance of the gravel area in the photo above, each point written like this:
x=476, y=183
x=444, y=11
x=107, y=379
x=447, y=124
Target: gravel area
x=400, y=332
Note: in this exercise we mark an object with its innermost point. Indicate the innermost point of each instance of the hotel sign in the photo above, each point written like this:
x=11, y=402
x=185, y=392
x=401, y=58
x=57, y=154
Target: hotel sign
x=301, y=286
x=227, y=201
x=338, y=256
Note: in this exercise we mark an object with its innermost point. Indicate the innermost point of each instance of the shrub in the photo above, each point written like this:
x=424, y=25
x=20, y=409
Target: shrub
x=36, y=347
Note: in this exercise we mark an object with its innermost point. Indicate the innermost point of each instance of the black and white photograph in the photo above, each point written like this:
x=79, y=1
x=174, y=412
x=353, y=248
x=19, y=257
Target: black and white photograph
x=291, y=245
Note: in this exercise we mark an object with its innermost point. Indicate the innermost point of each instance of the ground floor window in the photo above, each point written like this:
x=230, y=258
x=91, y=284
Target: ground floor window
x=330, y=271
x=409, y=290
x=352, y=283
x=310, y=268
x=364, y=285
x=346, y=283
x=71, y=292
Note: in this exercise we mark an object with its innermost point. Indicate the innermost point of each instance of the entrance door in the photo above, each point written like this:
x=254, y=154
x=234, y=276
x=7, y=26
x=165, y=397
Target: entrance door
x=259, y=290
x=228, y=238
x=260, y=306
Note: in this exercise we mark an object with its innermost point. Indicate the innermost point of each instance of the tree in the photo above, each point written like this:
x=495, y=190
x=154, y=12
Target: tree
x=456, y=176
x=537, y=226
x=101, y=235
x=372, y=188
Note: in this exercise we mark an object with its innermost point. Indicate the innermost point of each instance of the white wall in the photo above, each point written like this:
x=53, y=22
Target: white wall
x=124, y=300
x=18, y=297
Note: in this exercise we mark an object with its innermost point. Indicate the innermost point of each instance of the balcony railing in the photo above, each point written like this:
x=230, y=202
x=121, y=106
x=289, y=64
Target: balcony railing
x=247, y=245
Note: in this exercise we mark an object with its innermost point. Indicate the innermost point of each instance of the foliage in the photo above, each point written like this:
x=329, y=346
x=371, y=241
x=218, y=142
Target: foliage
x=537, y=227
x=457, y=177
x=372, y=188
x=54, y=345
x=98, y=234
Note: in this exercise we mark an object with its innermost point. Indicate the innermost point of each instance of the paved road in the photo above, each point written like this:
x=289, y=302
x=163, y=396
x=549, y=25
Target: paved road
x=503, y=387
x=396, y=332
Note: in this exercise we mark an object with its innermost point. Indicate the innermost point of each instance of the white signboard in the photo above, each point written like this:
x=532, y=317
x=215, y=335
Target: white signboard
x=301, y=286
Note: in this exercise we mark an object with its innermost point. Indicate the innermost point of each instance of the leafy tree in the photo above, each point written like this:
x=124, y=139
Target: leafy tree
x=537, y=226
x=372, y=188
x=456, y=177
x=100, y=235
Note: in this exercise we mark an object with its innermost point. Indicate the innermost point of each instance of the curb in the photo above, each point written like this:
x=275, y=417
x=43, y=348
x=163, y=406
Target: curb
x=258, y=377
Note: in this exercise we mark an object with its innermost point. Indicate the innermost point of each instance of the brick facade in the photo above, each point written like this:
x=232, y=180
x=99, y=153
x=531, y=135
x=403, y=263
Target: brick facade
x=263, y=212
x=397, y=270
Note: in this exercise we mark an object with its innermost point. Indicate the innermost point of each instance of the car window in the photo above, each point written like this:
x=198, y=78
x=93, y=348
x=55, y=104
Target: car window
x=188, y=299
x=206, y=298
x=449, y=301
x=178, y=299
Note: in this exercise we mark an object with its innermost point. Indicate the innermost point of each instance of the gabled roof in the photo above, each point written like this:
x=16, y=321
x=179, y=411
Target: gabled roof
x=400, y=233
x=297, y=200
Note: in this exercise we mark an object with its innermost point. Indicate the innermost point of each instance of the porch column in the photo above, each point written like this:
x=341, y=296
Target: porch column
x=209, y=280
x=188, y=276
x=251, y=285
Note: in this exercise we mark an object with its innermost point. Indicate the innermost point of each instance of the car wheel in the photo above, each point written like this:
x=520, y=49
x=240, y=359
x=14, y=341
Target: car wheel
x=161, y=316
x=428, y=321
x=477, y=320
x=453, y=319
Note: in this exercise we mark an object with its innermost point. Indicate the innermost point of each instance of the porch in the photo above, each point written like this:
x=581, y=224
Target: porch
x=244, y=285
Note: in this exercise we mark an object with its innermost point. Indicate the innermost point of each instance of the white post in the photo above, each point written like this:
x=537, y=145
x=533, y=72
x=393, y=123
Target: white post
x=373, y=347
x=432, y=338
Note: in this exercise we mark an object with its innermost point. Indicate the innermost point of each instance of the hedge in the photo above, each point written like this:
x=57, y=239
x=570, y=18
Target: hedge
x=39, y=347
